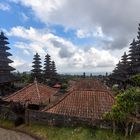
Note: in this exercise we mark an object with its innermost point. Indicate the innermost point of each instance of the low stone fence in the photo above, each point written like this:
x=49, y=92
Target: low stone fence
x=32, y=116
x=11, y=111
x=7, y=113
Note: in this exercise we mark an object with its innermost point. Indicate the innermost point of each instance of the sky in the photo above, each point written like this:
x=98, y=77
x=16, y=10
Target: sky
x=79, y=35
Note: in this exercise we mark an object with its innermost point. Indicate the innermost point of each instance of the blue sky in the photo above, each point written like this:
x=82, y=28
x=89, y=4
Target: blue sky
x=18, y=15
x=75, y=33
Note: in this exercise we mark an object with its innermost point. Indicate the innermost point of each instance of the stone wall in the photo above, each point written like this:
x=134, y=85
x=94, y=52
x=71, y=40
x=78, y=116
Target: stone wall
x=7, y=113
x=32, y=116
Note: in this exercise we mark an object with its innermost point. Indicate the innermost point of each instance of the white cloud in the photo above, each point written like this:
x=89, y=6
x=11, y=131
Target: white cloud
x=26, y=52
x=111, y=17
x=96, y=34
x=24, y=17
x=20, y=64
x=4, y=7
x=68, y=57
x=82, y=33
x=17, y=62
x=110, y=27
x=99, y=32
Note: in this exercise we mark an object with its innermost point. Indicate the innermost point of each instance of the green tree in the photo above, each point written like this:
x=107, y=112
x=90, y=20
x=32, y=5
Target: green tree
x=136, y=79
x=125, y=109
x=115, y=90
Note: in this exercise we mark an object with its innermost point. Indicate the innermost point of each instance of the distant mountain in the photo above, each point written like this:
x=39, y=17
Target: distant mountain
x=87, y=73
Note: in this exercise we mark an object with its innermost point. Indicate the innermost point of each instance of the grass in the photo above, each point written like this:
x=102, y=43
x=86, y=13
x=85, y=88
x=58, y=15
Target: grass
x=6, y=123
x=74, y=133
x=68, y=133
x=63, y=133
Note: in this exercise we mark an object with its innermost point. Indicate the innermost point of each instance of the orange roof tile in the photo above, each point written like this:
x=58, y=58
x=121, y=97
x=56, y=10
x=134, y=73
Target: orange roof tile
x=35, y=93
x=84, y=104
x=88, y=84
x=57, y=86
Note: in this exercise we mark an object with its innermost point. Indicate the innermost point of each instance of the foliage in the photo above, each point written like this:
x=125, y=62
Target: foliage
x=115, y=90
x=125, y=108
x=6, y=123
x=67, y=133
x=73, y=133
x=136, y=79
x=84, y=75
x=64, y=86
x=24, y=77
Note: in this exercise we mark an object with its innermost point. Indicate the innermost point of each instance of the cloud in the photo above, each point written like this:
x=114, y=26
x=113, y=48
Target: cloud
x=20, y=64
x=96, y=33
x=4, y=7
x=117, y=19
x=24, y=17
x=68, y=56
x=17, y=62
x=67, y=49
x=30, y=48
x=82, y=34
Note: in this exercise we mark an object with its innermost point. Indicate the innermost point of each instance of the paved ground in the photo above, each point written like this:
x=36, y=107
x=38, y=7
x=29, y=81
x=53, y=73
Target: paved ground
x=12, y=135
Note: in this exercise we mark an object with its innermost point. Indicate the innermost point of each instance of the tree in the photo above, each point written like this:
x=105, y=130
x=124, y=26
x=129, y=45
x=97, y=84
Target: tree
x=115, y=90
x=91, y=75
x=136, y=79
x=84, y=75
x=113, y=116
x=125, y=110
x=26, y=77
x=36, y=71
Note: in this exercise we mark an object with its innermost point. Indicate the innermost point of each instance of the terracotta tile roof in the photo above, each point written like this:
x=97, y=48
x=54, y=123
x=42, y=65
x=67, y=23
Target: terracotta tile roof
x=57, y=86
x=84, y=103
x=35, y=93
x=88, y=84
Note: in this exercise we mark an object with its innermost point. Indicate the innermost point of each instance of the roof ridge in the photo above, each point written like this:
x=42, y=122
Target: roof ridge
x=90, y=90
x=29, y=85
x=46, y=86
x=38, y=93
x=57, y=102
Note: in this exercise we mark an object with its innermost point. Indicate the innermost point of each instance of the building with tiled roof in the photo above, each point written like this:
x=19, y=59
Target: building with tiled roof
x=34, y=93
x=57, y=86
x=87, y=84
x=84, y=104
x=89, y=104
